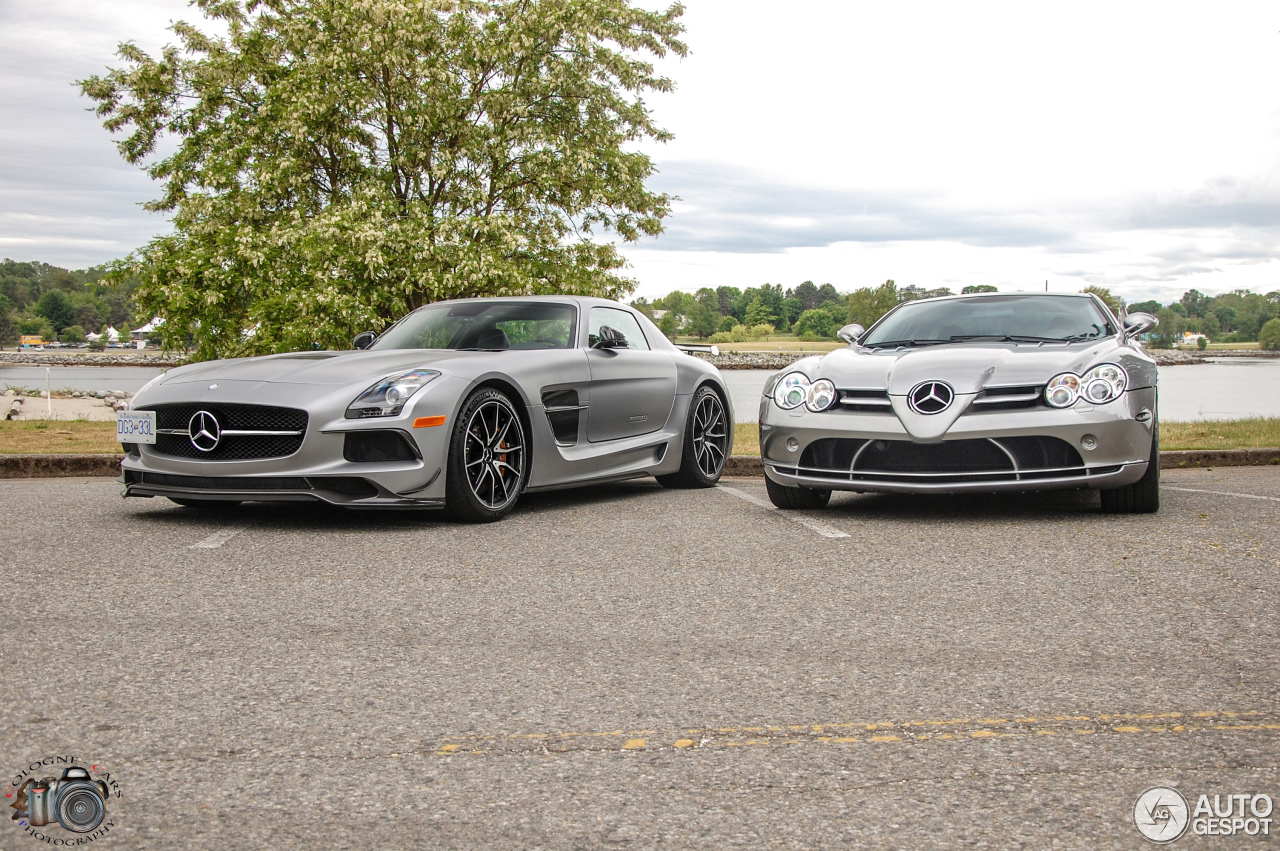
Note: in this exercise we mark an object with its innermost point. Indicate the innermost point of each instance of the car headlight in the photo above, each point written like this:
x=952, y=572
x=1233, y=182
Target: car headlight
x=791, y=391
x=1104, y=383
x=387, y=397
x=821, y=394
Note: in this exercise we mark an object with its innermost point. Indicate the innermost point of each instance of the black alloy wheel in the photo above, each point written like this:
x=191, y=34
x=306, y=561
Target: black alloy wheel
x=487, y=459
x=706, y=443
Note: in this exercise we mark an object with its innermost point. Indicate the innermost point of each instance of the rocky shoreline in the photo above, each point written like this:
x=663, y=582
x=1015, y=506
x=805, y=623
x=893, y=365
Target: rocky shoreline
x=157, y=359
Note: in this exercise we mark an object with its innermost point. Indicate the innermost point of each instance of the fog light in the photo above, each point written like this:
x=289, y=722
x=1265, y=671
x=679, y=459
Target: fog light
x=1089, y=442
x=792, y=444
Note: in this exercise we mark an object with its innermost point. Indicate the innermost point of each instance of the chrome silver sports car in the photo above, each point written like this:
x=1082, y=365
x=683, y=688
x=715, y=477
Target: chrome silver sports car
x=462, y=405
x=1010, y=392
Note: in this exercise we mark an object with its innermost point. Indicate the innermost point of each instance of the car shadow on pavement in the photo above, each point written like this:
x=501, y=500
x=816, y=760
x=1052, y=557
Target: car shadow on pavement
x=321, y=515
x=983, y=506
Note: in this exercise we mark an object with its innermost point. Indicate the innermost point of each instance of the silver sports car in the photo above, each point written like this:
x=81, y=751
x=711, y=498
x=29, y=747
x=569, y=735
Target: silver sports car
x=462, y=405
x=1010, y=392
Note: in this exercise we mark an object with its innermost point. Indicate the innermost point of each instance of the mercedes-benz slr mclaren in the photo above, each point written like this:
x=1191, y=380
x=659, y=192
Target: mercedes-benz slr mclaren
x=988, y=392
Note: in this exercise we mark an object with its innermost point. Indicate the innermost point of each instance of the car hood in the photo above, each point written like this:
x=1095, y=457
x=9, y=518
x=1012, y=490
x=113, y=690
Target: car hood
x=967, y=367
x=321, y=368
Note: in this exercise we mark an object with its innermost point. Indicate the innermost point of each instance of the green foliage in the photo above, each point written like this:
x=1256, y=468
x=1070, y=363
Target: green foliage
x=727, y=323
x=1153, y=307
x=868, y=304
x=739, y=334
x=761, y=332
x=1111, y=301
x=30, y=324
x=815, y=324
x=72, y=334
x=57, y=308
x=720, y=337
x=1269, y=336
x=337, y=164
x=8, y=327
x=759, y=313
x=979, y=288
x=1169, y=331
x=1202, y=343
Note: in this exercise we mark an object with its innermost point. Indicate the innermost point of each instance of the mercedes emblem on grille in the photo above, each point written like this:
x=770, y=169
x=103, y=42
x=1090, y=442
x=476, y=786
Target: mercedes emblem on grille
x=205, y=431
x=930, y=397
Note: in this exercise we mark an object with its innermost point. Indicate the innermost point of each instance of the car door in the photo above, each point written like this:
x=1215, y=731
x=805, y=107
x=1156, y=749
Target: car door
x=632, y=388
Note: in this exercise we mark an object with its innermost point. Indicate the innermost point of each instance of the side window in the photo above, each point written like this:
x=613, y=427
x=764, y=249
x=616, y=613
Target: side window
x=619, y=320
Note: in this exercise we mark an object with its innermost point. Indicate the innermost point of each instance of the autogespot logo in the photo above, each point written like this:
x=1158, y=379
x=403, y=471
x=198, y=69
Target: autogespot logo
x=1161, y=814
x=205, y=431
x=931, y=397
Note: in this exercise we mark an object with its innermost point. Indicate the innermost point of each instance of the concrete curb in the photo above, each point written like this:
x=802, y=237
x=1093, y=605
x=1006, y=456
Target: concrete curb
x=58, y=466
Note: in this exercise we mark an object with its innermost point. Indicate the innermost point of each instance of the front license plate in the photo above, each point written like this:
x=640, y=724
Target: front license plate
x=136, y=427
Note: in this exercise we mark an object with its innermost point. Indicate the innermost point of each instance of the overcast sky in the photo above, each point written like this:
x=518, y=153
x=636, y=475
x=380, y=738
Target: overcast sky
x=1132, y=145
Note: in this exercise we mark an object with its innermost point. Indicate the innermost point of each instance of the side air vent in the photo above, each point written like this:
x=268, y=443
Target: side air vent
x=379, y=445
x=563, y=414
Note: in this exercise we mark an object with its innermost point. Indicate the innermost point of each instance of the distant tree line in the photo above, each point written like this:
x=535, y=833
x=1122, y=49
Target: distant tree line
x=60, y=304
x=1235, y=317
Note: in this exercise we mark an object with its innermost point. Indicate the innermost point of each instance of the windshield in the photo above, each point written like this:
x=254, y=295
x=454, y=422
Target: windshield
x=1031, y=318
x=483, y=326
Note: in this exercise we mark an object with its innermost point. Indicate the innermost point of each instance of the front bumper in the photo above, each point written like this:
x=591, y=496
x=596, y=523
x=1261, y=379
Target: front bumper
x=317, y=471
x=1121, y=433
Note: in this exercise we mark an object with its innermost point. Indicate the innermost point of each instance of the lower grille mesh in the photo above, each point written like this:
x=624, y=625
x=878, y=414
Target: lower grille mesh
x=1005, y=458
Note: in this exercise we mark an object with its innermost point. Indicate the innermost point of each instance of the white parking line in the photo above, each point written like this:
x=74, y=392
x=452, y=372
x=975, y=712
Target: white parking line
x=1222, y=493
x=813, y=525
x=217, y=539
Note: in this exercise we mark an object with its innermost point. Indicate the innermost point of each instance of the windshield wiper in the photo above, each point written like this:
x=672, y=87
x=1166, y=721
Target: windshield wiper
x=1005, y=338
x=889, y=344
x=1088, y=335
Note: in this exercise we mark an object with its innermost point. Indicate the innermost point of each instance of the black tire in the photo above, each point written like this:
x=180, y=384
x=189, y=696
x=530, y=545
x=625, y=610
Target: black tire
x=790, y=499
x=488, y=459
x=706, y=443
x=1143, y=496
x=207, y=504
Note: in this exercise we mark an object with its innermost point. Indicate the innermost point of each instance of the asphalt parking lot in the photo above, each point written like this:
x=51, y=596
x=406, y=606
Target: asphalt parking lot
x=626, y=666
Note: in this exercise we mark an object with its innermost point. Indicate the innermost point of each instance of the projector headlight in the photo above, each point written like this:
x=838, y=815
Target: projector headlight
x=1104, y=383
x=822, y=393
x=387, y=397
x=1100, y=385
x=791, y=391
x=1062, y=390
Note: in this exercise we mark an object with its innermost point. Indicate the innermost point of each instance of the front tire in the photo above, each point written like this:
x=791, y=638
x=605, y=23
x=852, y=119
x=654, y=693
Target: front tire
x=706, y=443
x=488, y=459
x=791, y=499
x=1143, y=496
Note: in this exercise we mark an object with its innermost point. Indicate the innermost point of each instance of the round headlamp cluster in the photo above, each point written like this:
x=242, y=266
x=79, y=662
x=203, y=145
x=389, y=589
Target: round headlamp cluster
x=795, y=389
x=1104, y=383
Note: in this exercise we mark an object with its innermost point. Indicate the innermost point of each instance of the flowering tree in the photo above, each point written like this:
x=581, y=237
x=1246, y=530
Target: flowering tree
x=339, y=162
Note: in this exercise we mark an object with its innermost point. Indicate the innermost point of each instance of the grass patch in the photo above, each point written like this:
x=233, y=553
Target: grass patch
x=773, y=343
x=50, y=437
x=1258, y=433
x=1213, y=346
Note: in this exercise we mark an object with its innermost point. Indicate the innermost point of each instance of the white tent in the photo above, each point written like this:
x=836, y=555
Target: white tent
x=92, y=337
x=146, y=330
x=113, y=336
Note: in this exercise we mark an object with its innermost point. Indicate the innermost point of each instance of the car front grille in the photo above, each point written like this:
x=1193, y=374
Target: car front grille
x=991, y=459
x=289, y=425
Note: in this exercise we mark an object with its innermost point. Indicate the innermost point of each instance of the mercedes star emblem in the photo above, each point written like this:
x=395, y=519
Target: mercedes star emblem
x=205, y=431
x=931, y=397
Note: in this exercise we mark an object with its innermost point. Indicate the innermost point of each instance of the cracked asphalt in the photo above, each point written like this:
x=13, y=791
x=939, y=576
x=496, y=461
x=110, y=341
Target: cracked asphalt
x=627, y=666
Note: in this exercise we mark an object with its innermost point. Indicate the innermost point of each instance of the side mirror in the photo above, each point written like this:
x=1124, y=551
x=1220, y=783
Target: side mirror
x=610, y=338
x=364, y=340
x=851, y=333
x=1139, y=323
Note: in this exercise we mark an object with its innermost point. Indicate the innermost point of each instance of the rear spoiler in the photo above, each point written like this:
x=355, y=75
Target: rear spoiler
x=714, y=351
